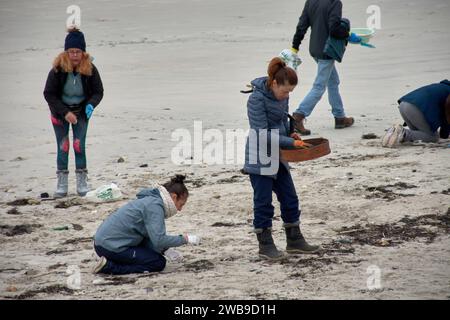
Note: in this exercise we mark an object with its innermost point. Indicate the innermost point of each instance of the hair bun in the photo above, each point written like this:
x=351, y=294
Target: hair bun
x=178, y=178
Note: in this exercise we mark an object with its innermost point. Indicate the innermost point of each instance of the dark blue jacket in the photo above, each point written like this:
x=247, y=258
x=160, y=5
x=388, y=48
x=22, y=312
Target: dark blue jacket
x=266, y=112
x=334, y=47
x=431, y=100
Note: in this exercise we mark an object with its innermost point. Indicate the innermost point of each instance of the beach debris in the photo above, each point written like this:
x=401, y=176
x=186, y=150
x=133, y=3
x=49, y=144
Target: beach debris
x=226, y=224
x=406, y=229
x=67, y=203
x=11, y=231
x=199, y=265
x=77, y=240
x=58, y=251
x=45, y=195
x=145, y=165
x=19, y=158
x=57, y=266
x=105, y=193
x=386, y=192
x=77, y=227
x=52, y=289
x=113, y=281
x=196, y=183
x=13, y=211
x=61, y=228
x=369, y=136
x=232, y=179
x=23, y=202
x=121, y=160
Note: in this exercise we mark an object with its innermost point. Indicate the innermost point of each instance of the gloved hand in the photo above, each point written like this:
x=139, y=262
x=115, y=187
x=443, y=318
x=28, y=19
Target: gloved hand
x=301, y=144
x=89, y=110
x=290, y=58
x=173, y=255
x=353, y=38
x=193, y=239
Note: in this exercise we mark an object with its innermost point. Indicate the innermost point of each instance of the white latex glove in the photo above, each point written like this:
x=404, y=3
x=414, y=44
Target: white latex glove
x=193, y=239
x=173, y=255
x=290, y=58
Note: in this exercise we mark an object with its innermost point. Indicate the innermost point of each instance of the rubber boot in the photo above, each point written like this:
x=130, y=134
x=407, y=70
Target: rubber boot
x=340, y=123
x=296, y=243
x=82, y=187
x=267, y=248
x=63, y=184
x=299, y=118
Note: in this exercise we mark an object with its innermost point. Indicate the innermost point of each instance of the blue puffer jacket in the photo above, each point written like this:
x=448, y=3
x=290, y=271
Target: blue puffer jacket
x=266, y=112
x=139, y=220
x=431, y=100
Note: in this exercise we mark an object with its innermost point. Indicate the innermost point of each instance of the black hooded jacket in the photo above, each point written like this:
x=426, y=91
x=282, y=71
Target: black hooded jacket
x=324, y=18
x=92, y=88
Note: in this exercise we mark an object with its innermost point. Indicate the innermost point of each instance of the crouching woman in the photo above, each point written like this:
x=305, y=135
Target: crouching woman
x=133, y=239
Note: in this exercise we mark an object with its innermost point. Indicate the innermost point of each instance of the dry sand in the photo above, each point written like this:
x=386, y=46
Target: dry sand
x=165, y=64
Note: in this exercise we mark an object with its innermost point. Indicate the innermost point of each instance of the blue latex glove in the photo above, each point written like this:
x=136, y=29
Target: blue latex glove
x=353, y=38
x=367, y=45
x=89, y=110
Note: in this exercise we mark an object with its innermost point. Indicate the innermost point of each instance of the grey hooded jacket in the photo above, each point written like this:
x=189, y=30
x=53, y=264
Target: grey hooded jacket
x=137, y=221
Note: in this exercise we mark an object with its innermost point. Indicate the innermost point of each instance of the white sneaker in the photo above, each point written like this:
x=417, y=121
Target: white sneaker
x=100, y=264
x=393, y=137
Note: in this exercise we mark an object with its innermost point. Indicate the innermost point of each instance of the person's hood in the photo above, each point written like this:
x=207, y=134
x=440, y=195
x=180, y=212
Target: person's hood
x=445, y=82
x=147, y=192
x=260, y=85
x=161, y=193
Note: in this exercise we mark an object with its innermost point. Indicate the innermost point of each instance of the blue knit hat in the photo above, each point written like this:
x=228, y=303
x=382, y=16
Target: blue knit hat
x=75, y=39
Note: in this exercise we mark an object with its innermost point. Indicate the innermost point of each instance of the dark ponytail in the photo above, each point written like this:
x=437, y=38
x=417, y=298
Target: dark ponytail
x=176, y=185
x=278, y=71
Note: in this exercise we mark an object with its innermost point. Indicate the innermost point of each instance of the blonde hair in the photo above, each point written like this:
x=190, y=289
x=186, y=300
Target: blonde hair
x=62, y=61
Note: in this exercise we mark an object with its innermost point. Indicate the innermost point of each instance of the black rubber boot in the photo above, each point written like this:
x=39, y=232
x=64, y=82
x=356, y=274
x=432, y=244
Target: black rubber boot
x=296, y=243
x=267, y=248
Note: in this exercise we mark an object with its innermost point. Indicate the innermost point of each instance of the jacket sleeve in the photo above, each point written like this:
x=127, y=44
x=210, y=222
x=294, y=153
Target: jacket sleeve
x=257, y=117
x=156, y=229
x=96, y=87
x=302, y=27
x=337, y=30
x=53, y=96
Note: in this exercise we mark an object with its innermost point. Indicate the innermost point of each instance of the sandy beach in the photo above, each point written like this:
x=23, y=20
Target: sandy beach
x=381, y=215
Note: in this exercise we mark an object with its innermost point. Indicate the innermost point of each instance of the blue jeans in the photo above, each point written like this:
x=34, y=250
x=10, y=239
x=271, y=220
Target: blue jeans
x=327, y=78
x=133, y=260
x=61, y=128
x=284, y=188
